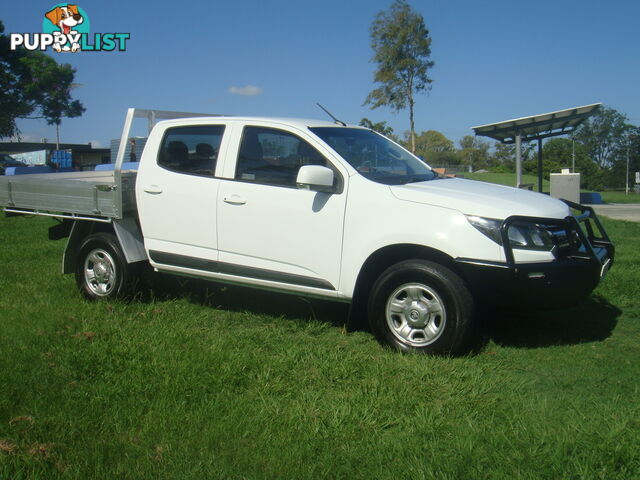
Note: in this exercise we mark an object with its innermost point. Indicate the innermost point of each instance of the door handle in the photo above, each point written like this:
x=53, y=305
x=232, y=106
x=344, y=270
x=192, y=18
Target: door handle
x=235, y=200
x=153, y=189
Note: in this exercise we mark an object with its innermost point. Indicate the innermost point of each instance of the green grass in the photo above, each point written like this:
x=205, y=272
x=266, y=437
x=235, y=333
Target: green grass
x=509, y=179
x=620, y=197
x=201, y=381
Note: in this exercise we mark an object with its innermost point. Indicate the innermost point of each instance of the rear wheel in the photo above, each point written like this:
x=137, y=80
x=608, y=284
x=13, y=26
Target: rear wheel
x=421, y=306
x=102, y=271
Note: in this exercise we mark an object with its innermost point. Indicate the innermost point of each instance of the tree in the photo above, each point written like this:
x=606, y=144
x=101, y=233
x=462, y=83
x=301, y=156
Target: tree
x=402, y=50
x=434, y=147
x=603, y=135
x=474, y=152
x=557, y=154
x=33, y=85
x=380, y=127
x=563, y=151
x=634, y=154
x=50, y=87
x=434, y=141
x=616, y=175
x=503, y=159
x=13, y=101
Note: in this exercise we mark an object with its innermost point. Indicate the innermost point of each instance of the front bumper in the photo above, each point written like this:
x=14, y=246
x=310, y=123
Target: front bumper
x=583, y=253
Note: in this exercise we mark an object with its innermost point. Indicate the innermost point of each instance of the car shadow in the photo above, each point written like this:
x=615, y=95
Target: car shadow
x=591, y=321
x=245, y=299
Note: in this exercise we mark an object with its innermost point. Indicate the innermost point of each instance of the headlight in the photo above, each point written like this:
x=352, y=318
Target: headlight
x=489, y=226
x=528, y=236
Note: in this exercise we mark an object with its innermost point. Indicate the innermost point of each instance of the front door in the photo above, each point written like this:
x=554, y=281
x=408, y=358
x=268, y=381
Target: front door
x=269, y=229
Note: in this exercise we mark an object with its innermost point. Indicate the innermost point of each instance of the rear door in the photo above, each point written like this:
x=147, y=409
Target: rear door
x=176, y=192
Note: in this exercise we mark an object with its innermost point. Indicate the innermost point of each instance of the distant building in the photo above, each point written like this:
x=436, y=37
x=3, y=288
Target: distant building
x=83, y=156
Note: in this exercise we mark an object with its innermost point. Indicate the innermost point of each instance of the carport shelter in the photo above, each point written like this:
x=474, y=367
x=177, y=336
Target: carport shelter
x=536, y=127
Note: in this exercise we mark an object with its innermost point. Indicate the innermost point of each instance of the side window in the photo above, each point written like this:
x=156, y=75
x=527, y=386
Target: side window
x=273, y=157
x=192, y=150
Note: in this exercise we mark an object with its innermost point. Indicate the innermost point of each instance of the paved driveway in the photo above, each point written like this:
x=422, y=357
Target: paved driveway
x=619, y=211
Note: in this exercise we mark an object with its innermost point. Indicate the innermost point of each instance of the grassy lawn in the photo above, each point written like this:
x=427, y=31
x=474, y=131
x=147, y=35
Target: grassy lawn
x=201, y=381
x=620, y=197
x=510, y=180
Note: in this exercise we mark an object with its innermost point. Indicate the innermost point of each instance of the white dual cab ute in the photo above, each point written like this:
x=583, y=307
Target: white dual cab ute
x=319, y=209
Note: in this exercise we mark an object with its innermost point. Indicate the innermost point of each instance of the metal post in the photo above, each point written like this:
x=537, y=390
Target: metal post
x=626, y=183
x=117, y=169
x=518, y=160
x=573, y=156
x=540, y=165
x=151, y=120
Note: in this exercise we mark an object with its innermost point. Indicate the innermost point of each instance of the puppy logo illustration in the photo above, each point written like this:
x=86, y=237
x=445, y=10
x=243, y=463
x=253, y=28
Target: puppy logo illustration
x=65, y=19
x=66, y=28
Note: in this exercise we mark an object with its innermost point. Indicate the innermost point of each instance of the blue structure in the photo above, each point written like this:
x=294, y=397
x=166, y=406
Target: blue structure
x=591, y=198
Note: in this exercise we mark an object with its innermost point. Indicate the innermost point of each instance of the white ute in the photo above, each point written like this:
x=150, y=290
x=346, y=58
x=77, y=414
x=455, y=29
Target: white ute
x=320, y=209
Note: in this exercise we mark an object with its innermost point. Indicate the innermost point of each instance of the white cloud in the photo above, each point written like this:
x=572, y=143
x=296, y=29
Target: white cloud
x=248, y=90
x=96, y=144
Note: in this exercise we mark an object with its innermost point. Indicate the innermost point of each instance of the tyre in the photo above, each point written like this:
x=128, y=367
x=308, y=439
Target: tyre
x=102, y=272
x=421, y=306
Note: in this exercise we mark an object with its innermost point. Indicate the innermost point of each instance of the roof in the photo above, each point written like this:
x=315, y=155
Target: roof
x=538, y=126
x=301, y=123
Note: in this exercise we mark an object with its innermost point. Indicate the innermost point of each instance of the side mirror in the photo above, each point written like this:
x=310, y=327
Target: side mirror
x=316, y=178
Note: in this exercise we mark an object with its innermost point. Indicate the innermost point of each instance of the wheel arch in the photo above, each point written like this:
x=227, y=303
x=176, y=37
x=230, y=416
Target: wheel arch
x=126, y=231
x=80, y=230
x=378, y=262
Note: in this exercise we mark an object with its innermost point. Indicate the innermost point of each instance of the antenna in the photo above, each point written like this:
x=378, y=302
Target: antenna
x=336, y=121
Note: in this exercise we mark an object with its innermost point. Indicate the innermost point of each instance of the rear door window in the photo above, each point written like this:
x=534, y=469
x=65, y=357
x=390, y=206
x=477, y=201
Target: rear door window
x=191, y=150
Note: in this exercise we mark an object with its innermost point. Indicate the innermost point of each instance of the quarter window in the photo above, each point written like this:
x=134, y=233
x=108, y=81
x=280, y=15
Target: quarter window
x=273, y=157
x=191, y=150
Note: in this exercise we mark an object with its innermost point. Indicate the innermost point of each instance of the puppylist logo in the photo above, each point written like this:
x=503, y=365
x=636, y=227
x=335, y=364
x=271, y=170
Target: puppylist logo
x=66, y=29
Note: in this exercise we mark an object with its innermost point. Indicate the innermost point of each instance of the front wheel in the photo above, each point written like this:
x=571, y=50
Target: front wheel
x=421, y=306
x=102, y=271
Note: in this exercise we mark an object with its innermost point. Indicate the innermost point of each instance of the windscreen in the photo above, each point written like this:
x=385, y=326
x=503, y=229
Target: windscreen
x=374, y=156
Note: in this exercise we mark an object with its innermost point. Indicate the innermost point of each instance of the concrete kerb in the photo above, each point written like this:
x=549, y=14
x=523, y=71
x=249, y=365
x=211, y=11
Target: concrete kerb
x=619, y=211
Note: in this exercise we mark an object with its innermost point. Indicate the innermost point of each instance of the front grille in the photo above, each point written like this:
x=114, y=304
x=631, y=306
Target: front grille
x=566, y=241
x=579, y=235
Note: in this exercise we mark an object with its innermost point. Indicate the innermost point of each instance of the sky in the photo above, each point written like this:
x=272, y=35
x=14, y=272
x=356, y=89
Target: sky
x=494, y=60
